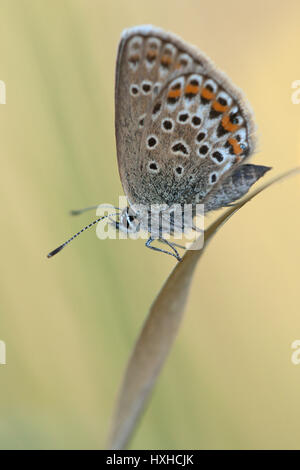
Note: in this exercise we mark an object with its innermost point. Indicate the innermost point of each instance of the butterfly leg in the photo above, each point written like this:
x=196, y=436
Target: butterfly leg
x=162, y=240
x=175, y=254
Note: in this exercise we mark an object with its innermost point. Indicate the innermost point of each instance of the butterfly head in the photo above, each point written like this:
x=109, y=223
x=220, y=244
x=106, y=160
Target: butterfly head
x=128, y=221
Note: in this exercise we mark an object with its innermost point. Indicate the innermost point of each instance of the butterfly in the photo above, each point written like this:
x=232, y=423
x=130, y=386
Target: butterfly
x=183, y=132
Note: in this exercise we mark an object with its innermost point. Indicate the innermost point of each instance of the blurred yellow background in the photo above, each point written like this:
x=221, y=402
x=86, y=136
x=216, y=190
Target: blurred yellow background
x=69, y=323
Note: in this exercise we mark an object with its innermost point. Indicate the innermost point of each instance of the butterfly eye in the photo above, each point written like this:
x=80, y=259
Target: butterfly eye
x=129, y=220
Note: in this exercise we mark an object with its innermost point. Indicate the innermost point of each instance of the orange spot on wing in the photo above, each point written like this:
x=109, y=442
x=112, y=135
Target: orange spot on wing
x=192, y=89
x=207, y=94
x=235, y=145
x=134, y=59
x=227, y=124
x=151, y=55
x=219, y=107
x=166, y=60
x=174, y=93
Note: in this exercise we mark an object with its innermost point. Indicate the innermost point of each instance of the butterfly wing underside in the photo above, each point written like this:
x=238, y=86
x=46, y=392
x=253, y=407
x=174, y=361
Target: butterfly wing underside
x=181, y=127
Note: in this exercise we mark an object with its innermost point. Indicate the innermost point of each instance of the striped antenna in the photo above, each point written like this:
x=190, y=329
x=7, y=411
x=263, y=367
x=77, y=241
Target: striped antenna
x=81, y=211
x=59, y=248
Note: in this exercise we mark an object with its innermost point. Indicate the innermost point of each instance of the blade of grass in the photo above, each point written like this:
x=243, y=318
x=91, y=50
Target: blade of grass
x=159, y=332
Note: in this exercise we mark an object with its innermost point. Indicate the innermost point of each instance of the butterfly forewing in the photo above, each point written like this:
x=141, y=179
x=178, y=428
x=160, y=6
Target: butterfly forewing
x=147, y=58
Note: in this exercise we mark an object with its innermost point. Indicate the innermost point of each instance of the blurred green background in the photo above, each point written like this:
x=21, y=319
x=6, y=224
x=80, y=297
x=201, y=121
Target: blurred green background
x=69, y=323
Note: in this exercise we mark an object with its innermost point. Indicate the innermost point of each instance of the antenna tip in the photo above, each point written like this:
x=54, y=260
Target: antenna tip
x=74, y=212
x=57, y=250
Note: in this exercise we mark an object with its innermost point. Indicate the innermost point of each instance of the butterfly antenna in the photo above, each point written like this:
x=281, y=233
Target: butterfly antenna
x=80, y=211
x=59, y=248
